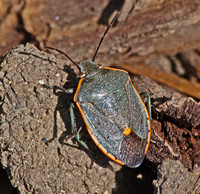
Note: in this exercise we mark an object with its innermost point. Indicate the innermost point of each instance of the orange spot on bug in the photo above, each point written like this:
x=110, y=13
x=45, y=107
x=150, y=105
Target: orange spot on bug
x=127, y=131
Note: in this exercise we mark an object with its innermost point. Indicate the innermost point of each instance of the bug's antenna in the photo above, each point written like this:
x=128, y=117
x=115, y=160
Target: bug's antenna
x=113, y=20
x=48, y=47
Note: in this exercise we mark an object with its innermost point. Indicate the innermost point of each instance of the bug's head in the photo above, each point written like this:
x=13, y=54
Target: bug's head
x=89, y=68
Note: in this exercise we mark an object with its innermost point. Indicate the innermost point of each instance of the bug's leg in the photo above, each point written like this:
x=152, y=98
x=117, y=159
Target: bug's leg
x=68, y=91
x=76, y=133
x=148, y=96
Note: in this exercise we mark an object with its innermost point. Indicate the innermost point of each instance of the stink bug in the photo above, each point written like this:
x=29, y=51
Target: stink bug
x=113, y=111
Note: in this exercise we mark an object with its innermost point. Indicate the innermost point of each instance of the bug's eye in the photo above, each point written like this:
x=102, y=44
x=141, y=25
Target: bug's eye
x=99, y=66
x=82, y=75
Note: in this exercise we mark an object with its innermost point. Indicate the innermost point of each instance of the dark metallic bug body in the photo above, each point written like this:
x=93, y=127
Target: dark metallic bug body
x=109, y=104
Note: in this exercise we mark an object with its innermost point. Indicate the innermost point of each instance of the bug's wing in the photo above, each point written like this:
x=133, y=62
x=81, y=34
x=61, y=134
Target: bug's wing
x=132, y=150
x=106, y=132
x=133, y=146
x=139, y=120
